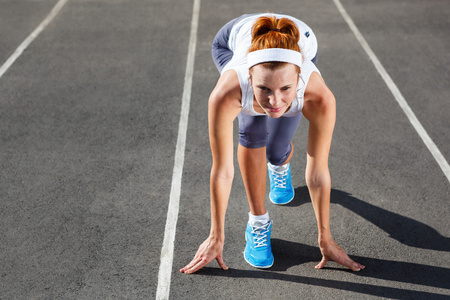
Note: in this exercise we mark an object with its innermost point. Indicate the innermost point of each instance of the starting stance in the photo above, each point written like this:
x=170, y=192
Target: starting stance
x=269, y=79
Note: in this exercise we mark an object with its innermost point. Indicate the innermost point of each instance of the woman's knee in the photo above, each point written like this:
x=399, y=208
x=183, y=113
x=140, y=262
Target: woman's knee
x=278, y=154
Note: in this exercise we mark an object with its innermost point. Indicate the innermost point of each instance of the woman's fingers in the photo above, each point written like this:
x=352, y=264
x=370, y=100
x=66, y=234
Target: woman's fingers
x=322, y=263
x=221, y=263
x=190, y=265
x=196, y=266
x=333, y=252
x=207, y=251
x=351, y=264
x=356, y=266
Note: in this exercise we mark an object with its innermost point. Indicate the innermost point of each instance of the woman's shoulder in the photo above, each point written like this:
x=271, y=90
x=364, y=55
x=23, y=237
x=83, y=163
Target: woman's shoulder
x=318, y=97
x=228, y=87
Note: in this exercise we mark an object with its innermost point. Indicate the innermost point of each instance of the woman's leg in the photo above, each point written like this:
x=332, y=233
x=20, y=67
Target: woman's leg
x=279, y=152
x=252, y=163
x=252, y=159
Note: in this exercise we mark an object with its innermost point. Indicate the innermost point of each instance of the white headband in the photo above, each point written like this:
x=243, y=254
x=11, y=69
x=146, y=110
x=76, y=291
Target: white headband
x=274, y=54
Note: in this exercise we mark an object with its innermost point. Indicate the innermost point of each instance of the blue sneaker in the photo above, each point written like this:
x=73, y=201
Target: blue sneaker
x=281, y=189
x=258, y=250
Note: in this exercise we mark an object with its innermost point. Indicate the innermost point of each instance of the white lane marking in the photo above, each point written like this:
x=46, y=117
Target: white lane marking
x=440, y=159
x=31, y=37
x=165, y=268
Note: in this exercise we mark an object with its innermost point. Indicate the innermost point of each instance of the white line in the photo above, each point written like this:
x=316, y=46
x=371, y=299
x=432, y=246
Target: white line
x=165, y=267
x=31, y=37
x=440, y=159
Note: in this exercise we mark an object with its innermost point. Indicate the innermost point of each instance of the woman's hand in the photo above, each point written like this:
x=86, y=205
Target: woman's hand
x=331, y=251
x=207, y=251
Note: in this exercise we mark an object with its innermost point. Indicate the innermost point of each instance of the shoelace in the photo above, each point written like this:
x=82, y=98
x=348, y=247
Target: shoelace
x=261, y=235
x=279, y=178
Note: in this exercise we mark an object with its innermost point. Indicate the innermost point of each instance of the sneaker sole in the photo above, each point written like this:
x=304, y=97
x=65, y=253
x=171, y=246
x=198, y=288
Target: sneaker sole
x=282, y=203
x=258, y=267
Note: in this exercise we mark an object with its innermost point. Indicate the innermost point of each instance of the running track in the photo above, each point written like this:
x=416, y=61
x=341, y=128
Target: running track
x=104, y=143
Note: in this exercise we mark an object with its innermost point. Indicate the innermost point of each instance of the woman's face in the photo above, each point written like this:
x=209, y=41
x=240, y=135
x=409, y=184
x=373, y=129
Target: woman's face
x=274, y=90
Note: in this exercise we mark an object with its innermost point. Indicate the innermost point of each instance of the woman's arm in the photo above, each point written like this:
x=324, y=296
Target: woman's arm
x=320, y=109
x=223, y=108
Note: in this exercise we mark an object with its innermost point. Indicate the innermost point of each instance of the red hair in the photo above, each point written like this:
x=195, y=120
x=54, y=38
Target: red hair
x=270, y=32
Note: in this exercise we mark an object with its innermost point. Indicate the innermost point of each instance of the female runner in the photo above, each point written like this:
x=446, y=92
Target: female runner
x=269, y=79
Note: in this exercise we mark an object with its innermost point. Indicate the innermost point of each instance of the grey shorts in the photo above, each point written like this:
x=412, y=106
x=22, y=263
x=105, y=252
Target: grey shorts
x=221, y=54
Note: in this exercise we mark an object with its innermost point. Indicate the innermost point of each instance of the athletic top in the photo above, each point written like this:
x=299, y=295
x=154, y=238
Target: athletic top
x=239, y=42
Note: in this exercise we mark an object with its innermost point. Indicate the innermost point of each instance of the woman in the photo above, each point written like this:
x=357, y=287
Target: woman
x=268, y=80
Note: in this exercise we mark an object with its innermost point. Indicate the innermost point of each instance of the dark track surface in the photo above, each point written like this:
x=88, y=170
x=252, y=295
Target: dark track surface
x=88, y=125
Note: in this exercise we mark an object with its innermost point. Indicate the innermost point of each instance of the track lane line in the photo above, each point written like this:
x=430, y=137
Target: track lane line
x=440, y=159
x=165, y=268
x=9, y=62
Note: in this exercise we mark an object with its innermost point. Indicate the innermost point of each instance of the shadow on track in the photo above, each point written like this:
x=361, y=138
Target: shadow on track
x=367, y=289
x=403, y=229
x=288, y=254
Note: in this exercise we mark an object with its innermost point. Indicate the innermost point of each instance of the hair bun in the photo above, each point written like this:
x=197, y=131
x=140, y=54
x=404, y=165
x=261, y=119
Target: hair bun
x=270, y=32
